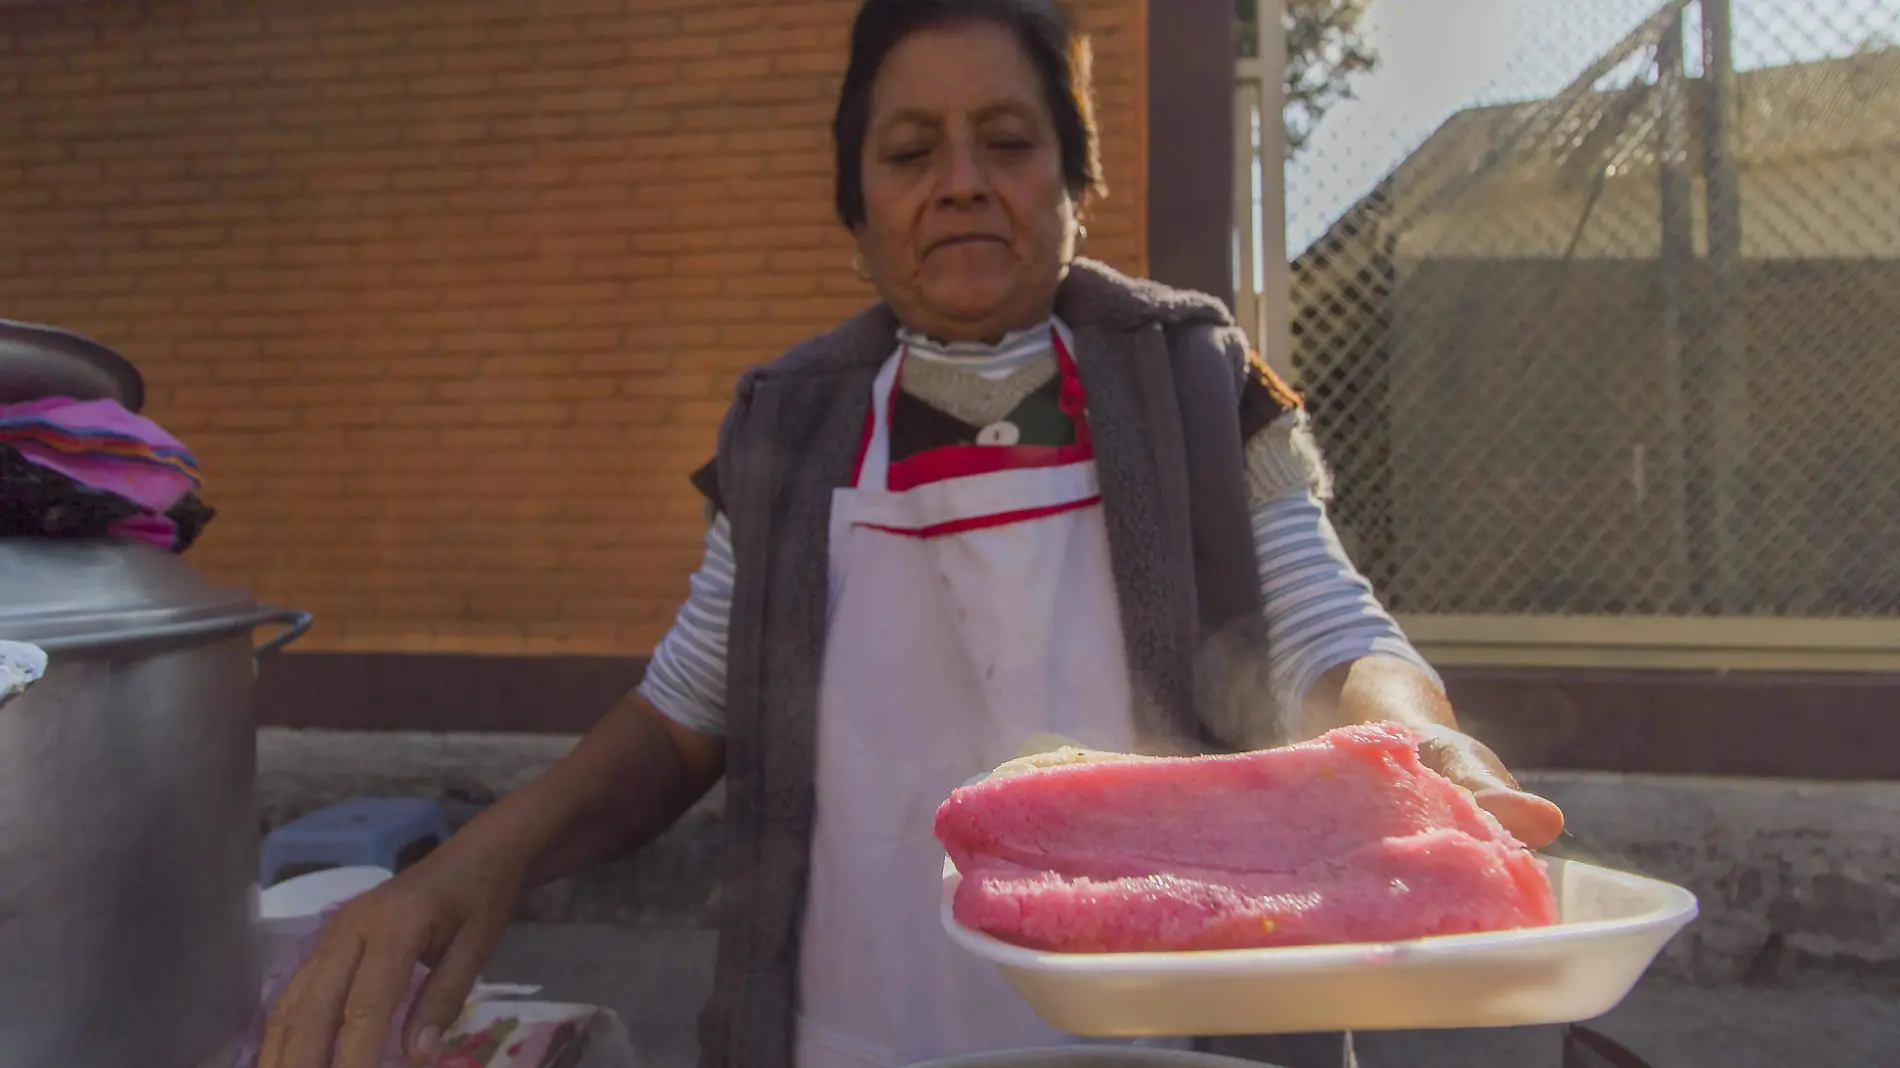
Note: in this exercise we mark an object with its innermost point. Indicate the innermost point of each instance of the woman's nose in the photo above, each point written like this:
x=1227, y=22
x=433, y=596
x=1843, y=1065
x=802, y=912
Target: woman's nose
x=964, y=180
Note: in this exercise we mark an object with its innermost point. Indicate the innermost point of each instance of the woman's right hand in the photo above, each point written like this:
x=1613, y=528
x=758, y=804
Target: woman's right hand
x=446, y=913
x=627, y=781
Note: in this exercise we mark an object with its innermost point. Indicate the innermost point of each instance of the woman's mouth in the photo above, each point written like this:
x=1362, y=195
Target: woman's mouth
x=964, y=239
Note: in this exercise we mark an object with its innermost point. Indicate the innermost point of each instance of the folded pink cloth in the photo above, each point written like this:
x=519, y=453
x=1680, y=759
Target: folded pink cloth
x=148, y=527
x=93, y=418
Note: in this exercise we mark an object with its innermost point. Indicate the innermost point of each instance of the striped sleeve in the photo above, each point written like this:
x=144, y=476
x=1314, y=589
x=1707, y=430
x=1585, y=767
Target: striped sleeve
x=686, y=679
x=1321, y=612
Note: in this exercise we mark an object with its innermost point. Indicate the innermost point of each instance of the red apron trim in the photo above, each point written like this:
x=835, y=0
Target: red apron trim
x=1069, y=399
x=864, y=444
x=961, y=461
x=983, y=522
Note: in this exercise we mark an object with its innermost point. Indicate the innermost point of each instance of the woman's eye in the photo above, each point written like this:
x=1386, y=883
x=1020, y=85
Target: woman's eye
x=1012, y=145
x=907, y=155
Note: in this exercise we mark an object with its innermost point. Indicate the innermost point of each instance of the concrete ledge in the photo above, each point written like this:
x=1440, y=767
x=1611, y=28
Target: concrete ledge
x=673, y=882
x=1795, y=879
x=1798, y=880
x=299, y=771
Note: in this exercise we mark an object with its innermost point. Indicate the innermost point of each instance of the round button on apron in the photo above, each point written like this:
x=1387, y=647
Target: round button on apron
x=1003, y=433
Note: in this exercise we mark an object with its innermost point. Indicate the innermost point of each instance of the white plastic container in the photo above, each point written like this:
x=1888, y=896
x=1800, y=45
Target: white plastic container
x=1613, y=926
x=309, y=895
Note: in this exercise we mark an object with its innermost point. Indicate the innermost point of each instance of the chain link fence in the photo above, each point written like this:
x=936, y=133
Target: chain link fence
x=1634, y=348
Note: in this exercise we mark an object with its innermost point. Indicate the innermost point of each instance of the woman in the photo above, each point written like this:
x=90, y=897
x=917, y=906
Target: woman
x=1023, y=494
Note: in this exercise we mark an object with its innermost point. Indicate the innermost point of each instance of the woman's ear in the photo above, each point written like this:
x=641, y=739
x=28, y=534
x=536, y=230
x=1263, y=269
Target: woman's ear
x=1075, y=239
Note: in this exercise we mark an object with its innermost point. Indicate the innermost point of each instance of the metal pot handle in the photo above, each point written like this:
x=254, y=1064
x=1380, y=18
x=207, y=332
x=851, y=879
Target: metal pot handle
x=295, y=624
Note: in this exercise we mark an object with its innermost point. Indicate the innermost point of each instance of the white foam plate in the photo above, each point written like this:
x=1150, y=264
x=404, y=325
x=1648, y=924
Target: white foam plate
x=310, y=894
x=1613, y=925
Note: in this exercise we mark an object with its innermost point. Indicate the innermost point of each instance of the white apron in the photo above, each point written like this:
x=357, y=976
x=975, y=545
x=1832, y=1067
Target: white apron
x=972, y=606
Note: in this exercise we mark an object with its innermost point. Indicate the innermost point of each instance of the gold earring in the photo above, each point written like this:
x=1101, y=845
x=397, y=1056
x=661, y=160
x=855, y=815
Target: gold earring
x=860, y=268
x=1081, y=239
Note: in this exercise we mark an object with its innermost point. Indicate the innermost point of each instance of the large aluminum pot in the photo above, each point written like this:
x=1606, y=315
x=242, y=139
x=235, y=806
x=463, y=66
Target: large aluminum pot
x=128, y=826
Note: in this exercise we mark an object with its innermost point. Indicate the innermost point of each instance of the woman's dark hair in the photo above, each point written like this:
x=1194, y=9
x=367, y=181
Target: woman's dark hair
x=1047, y=36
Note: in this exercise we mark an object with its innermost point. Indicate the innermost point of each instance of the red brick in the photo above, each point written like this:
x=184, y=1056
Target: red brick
x=626, y=363
x=432, y=368
x=449, y=85
x=581, y=101
x=442, y=415
x=471, y=341
x=549, y=173
x=537, y=127
x=518, y=362
x=445, y=38
x=581, y=341
x=589, y=148
x=673, y=47
x=390, y=440
x=623, y=412
x=473, y=398
x=580, y=246
x=484, y=439
x=537, y=31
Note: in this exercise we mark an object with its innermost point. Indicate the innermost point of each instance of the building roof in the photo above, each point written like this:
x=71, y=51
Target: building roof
x=1826, y=108
x=1833, y=107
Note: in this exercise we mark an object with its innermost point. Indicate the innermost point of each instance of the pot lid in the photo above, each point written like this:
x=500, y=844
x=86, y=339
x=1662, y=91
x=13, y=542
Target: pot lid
x=61, y=592
x=44, y=361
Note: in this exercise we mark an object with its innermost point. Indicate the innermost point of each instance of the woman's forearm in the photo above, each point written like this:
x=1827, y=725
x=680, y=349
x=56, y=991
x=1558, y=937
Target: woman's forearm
x=623, y=784
x=639, y=769
x=1321, y=612
x=1376, y=689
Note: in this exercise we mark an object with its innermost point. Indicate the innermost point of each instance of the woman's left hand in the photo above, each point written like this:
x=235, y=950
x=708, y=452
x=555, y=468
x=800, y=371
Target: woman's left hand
x=1532, y=820
x=1387, y=689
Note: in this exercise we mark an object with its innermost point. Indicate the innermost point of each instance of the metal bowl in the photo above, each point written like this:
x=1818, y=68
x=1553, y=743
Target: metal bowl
x=44, y=361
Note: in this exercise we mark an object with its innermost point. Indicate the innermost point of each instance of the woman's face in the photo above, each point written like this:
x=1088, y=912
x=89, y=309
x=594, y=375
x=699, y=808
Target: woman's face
x=968, y=220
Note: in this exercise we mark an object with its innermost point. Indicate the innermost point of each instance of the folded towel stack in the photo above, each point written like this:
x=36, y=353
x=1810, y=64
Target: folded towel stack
x=72, y=468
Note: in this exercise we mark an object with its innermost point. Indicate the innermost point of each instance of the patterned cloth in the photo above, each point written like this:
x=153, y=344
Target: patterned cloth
x=92, y=469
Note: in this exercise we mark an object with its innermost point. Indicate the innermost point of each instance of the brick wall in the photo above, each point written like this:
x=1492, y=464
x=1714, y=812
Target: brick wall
x=449, y=297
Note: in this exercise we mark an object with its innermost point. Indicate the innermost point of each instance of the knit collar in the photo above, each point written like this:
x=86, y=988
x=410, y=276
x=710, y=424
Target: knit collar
x=1015, y=347
x=1094, y=298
